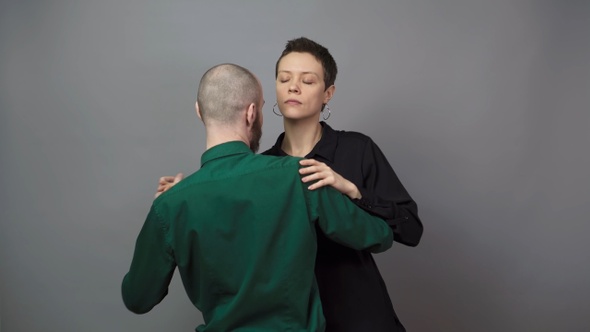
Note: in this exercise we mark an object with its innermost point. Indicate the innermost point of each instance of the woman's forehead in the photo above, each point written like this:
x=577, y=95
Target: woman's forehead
x=300, y=63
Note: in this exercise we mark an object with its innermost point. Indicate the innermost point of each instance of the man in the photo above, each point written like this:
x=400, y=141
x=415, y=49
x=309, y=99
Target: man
x=241, y=230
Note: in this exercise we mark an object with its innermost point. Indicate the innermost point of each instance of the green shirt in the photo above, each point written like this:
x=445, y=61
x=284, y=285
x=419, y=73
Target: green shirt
x=241, y=231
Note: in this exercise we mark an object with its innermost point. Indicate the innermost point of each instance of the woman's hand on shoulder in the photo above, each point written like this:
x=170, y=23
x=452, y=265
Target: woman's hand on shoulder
x=314, y=170
x=167, y=182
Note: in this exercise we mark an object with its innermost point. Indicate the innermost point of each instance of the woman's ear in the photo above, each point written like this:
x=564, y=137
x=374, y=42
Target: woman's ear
x=329, y=93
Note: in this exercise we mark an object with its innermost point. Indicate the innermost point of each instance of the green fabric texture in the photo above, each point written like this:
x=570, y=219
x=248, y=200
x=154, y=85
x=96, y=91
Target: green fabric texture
x=241, y=231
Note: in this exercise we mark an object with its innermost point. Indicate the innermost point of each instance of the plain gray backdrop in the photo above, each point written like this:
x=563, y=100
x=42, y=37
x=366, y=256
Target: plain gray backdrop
x=482, y=108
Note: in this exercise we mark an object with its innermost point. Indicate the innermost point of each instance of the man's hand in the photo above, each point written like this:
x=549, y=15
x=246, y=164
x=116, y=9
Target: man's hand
x=316, y=170
x=167, y=182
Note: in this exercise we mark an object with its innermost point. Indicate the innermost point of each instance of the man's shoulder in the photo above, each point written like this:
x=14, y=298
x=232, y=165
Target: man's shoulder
x=271, y=161
x=171, y=195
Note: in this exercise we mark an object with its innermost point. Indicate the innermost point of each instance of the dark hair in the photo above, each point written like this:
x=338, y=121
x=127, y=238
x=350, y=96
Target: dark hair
x=305, y=45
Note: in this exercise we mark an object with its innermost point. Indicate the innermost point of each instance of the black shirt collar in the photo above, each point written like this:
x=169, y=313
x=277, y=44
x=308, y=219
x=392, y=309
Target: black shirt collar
x=325, y=148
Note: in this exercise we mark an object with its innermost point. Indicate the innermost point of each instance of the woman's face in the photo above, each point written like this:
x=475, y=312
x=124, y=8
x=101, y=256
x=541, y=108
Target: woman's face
x=300, y=86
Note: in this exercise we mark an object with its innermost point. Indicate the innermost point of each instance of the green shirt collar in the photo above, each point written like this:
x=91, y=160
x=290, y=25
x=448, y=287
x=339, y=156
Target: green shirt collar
x=224, y=150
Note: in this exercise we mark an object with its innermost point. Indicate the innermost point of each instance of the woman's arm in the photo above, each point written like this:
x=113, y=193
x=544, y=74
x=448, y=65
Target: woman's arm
x=380, y=191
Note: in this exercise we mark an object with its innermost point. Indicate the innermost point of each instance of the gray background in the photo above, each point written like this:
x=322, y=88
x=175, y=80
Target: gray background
x=482, y=108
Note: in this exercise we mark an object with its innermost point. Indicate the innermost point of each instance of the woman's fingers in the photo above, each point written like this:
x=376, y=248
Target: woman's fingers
x=167, y=182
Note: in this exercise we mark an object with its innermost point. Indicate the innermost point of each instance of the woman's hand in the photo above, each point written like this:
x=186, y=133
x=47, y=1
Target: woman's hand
x=325, y=176
x=167, y=182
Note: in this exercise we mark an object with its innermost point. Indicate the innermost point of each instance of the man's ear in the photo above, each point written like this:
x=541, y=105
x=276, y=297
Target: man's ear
x=251, y=115
x=198, y=111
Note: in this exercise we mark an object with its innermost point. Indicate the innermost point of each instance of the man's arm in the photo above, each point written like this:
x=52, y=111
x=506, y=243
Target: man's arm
x=343, y=222
x=380, y=192
x=152, y=267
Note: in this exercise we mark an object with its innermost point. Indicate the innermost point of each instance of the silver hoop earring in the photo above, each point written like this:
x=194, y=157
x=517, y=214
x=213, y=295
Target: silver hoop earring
x=326, y=107
x=273, y=109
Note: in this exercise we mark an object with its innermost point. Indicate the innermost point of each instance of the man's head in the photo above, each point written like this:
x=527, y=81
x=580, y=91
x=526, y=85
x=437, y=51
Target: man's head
x=230, y=96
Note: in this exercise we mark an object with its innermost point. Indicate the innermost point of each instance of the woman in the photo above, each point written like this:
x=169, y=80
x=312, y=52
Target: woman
x=354, y=296
x=353, y=293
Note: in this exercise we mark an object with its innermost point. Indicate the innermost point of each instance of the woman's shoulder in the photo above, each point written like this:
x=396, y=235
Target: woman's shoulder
x=351, y=136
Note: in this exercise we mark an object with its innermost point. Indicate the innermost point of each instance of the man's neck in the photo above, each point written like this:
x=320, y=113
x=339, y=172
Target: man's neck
x=218, y=134
x=301, y=136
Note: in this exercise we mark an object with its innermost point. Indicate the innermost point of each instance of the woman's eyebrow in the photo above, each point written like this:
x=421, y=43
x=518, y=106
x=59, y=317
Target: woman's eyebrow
x=304, y=73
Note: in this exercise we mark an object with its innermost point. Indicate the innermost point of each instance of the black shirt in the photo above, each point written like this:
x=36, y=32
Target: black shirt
x=353, y=293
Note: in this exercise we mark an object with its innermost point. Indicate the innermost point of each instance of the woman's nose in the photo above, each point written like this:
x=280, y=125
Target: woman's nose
x=294, y=88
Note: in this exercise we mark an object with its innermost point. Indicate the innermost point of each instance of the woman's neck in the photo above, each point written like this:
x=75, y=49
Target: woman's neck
x=301, y=136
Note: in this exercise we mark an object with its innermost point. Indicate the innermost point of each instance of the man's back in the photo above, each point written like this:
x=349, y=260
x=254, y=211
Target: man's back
x=255, y=253
x=241, y=231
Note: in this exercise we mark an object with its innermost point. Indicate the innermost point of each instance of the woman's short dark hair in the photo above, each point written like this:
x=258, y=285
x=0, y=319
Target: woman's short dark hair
x=305, y=45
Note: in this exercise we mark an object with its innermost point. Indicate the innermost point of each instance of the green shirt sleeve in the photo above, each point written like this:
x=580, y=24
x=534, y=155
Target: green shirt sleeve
x=152, y=267
x=343, y=222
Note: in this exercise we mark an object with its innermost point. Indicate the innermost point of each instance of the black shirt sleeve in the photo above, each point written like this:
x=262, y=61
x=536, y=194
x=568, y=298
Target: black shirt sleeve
x=384, y=195
x=358, y=159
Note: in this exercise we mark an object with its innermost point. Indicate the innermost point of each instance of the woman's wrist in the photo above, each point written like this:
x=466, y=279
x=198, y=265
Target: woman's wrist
x=354, y=192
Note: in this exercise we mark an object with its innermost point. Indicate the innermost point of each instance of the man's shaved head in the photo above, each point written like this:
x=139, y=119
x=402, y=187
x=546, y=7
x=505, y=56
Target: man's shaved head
x=225, y=90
